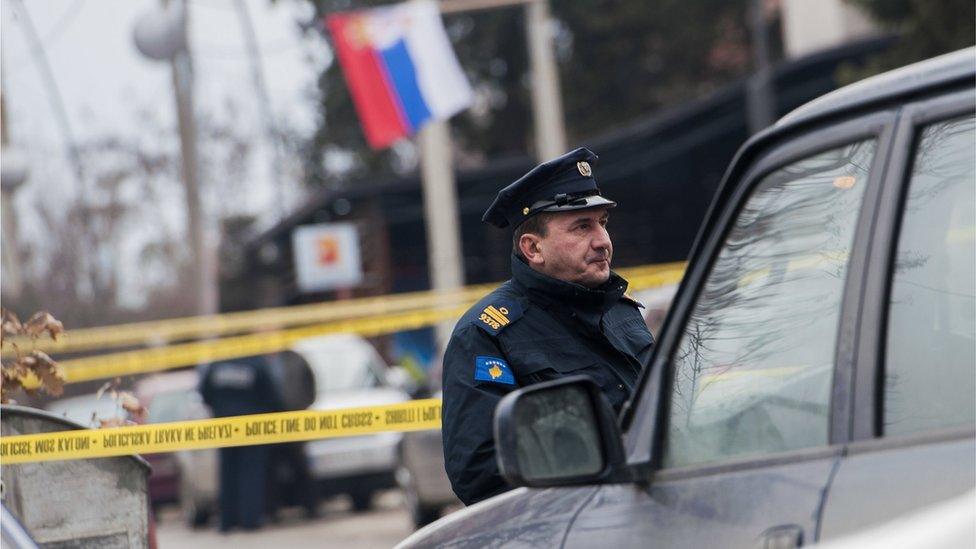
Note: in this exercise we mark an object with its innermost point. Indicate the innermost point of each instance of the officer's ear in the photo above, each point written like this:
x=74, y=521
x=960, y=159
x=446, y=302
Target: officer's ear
x=530, y=246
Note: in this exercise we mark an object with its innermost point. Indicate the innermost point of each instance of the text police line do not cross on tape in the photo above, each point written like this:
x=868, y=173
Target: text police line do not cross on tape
x=415, y=415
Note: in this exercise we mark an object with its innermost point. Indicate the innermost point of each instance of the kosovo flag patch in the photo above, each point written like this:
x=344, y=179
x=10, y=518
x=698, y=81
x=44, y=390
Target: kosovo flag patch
x=496, y=370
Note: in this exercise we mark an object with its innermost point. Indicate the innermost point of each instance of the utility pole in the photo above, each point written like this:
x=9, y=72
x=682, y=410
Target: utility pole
x=547, y=102
x=161, y=35
x=12, y=174
x=760, y=100
x=264, y=104
x=445, y=260
x=202, y=269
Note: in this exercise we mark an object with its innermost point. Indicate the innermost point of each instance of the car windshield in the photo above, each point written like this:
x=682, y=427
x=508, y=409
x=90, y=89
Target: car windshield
x=349, y=370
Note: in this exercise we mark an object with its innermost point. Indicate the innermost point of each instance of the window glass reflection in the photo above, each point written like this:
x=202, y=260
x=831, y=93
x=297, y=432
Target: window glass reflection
x=753, y=372
x=930, y=358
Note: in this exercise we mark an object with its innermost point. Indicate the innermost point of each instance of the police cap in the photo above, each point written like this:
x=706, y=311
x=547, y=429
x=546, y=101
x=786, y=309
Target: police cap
x=565, y=183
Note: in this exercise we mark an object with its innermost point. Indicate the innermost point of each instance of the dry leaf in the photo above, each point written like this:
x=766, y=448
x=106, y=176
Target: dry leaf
x=112, y=422
x=101, y=390
x=41, y=322
x=131, y=404
x=8, y=384
x=48, y=372
x=10, y=325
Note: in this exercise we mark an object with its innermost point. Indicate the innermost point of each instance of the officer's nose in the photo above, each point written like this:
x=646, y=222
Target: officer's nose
x=602, y=241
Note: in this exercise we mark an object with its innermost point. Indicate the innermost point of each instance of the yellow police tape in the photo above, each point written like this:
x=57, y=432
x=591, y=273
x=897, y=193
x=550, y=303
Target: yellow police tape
x=189, y=354
x=178, y=329
x=416, y=415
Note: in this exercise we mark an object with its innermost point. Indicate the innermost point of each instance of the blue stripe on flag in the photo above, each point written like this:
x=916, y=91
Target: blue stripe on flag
x=404, y=79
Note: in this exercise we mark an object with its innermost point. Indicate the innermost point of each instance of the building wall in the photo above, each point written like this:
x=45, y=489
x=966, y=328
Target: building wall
x=813, y=25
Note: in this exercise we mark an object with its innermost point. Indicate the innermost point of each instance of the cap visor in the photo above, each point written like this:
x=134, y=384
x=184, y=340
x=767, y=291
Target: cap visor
x=590, y=202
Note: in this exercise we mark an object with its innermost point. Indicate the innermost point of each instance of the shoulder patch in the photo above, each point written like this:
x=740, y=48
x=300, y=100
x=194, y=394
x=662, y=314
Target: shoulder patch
x=495, y=317
x=632, y=301
x=496, y=370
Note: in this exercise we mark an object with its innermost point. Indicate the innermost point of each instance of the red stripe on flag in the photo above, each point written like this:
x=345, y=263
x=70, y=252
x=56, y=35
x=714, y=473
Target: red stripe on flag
x=368, y=83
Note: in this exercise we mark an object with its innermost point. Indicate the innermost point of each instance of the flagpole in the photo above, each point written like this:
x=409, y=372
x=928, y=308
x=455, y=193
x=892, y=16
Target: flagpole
x=547, y=105
x=444, y=259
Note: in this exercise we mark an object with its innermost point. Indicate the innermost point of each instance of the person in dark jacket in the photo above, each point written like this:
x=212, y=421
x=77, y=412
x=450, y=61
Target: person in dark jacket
x=563, y=312
x=238, y=387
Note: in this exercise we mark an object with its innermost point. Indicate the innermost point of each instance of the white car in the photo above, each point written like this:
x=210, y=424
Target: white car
x=349, y=373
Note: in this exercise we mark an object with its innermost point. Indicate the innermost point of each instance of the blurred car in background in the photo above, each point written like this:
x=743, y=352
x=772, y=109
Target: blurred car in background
x=346, y=372
x=186, y=476
x=421, y=475
x=88, y=410
x=656, y=302
x=350, y=373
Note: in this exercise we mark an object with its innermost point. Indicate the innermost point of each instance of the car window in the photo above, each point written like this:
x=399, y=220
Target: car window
x=169, y=406
x=930, y=378
x=753, y=372
x=351, y=370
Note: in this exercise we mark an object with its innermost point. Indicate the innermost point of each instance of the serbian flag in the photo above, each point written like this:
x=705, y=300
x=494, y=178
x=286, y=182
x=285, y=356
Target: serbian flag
x=400, y=68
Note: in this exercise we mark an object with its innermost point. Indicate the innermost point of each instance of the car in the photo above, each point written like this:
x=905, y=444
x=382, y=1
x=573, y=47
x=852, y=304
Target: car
x=346, y=372
x=350, y=373
x=421, y=476
x=814, y=375
x=198, y=470
x=656, y=302
x=88, y=409
x=171, y=397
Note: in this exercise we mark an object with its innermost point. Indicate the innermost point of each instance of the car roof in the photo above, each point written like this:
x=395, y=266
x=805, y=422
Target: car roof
x=909, y=80
x=946, y=71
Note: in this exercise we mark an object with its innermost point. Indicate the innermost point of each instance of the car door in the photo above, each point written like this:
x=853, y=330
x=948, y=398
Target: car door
x=755, y=361
x=915, y=406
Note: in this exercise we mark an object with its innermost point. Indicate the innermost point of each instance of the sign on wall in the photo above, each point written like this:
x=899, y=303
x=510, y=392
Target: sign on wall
x=327, y=256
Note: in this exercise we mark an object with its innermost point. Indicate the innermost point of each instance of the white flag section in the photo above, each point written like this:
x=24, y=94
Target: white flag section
x=439, y=75
x=327, y=256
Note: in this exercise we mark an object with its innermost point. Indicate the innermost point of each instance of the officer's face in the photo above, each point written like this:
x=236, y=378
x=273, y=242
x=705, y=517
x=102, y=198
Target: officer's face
x=576, y=247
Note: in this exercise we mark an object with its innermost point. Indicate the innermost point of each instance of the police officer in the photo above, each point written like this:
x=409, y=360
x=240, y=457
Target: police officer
x=233, y=388
x=563, y=312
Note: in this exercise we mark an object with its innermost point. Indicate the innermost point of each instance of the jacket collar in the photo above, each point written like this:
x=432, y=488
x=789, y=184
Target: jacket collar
x=541, y=287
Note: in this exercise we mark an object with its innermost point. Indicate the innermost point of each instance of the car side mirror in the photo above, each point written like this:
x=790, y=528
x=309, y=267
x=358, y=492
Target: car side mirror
x=559, y=433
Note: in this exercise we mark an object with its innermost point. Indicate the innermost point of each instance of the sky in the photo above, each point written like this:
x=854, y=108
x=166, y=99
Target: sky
x=108, y=88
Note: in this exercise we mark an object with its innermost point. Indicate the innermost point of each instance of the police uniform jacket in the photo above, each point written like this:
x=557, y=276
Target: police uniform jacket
x=533, y=328
x=241, y=386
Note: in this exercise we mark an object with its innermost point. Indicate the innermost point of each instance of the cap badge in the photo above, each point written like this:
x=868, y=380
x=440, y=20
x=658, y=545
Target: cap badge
x=525, y=211
x=584, y=169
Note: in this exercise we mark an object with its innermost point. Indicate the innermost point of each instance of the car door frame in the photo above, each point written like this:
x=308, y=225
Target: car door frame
x=646, y=423
x=867, y=433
